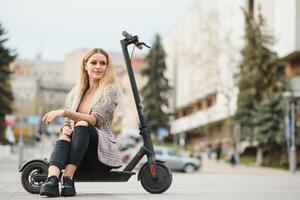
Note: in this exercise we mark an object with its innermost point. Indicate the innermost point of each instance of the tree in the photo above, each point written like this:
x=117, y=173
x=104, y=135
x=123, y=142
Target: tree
x=260, y=108
x=6, y=97
x=155, y=93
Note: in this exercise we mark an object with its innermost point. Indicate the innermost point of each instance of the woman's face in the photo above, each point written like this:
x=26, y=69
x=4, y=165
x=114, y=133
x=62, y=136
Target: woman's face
x=96, y=66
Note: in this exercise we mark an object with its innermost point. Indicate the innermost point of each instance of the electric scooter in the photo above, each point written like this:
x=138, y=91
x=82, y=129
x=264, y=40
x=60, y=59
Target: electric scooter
x=154, y=175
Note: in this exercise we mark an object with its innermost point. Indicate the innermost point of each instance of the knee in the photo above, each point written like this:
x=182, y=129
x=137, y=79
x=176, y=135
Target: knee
x=81, y=123
x=64, y=137
x=80, y=129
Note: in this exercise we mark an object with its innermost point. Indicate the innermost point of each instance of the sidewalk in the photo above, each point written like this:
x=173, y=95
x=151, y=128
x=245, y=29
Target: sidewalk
x=222, y=167
x=215, y=180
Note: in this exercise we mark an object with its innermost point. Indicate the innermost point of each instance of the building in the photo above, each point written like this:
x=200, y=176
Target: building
x=52, y=87
x=283, y=21
x=202, y=57
x=71, y=65
x=38, y=87
x=24, y=86
x=203, y=53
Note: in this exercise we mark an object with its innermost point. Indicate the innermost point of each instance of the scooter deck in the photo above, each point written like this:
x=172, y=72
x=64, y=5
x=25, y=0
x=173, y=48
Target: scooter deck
x=111, y=176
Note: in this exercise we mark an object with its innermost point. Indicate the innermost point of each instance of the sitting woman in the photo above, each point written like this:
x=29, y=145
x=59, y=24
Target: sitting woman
x=86, y=141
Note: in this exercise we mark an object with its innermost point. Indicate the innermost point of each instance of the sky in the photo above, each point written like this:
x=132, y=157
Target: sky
x=53, y=28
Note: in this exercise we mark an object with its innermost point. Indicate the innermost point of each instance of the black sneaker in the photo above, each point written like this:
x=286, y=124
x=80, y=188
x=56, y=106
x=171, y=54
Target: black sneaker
x=67, y=187
x=50, y=187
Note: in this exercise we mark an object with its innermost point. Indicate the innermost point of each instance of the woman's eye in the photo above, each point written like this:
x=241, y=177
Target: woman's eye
x=93, y=63
x=102, y=63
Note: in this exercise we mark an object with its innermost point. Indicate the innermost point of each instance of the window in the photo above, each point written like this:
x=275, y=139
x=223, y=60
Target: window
x=187, y=110
x=209, y=102
x=199, y=105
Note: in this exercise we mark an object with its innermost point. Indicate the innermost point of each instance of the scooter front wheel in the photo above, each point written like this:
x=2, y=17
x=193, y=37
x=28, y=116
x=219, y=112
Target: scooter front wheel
x=33, y=176
x=159, y=184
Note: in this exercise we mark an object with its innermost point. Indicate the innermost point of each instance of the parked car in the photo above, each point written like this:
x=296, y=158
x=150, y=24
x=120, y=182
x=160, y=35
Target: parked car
x=175, y=160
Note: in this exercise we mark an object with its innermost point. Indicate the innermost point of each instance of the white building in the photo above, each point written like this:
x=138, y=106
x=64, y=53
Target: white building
x=203, y=53
x=283, y=21
x=24, y=89
x=202, y=56
x=38, y=87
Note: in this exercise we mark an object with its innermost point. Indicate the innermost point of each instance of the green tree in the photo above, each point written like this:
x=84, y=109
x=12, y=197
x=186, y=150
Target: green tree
x=269, y=126
x=155, y=93
x=6, y=97
x=260, y=108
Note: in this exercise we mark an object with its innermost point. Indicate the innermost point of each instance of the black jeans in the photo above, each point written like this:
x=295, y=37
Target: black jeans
x=81, y=151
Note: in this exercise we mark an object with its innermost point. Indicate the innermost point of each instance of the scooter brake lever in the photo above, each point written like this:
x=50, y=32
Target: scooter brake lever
x=141, y=44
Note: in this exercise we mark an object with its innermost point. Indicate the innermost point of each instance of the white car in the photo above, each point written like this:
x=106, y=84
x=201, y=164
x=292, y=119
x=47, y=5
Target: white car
x=174, y=160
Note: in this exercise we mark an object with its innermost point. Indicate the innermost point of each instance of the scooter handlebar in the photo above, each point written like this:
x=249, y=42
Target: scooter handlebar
x=134, y=40
x=127, y=35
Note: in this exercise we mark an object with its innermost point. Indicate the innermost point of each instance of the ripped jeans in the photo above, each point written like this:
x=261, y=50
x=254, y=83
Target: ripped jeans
x=81, y=151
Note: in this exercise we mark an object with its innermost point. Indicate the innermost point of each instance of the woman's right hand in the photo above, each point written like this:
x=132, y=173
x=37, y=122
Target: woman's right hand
x=66, y=130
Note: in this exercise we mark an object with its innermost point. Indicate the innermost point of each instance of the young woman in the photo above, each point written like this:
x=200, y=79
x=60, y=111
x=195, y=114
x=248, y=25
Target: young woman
x=86, y=137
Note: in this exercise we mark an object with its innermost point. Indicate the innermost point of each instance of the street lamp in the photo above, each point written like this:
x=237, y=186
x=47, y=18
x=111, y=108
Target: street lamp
x=290, y=129
x=237, y=137
x=23, y=95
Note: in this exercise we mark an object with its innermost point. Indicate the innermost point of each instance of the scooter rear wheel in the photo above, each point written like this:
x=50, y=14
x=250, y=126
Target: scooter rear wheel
x=33, y=176
x=161, y=183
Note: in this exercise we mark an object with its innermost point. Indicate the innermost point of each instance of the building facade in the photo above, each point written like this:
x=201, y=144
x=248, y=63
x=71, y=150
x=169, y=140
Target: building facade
x=202, y=58
x=203, y=54
x=38, y=87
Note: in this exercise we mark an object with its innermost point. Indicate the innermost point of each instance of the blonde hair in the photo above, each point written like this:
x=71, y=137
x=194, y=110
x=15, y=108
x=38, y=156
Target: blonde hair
x=83, y=81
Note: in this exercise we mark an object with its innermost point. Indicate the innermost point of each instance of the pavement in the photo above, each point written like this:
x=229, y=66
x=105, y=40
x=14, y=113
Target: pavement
x=215, y=180
x=212, y=166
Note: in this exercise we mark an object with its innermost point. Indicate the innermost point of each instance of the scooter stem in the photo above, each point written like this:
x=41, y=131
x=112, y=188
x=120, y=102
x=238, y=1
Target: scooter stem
x=139, y=107
x=144, y=129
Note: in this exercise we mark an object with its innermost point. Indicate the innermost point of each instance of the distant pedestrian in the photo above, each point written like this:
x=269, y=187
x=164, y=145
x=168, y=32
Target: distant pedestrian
x=232, y=159
x=209, y=149
x=219, y=151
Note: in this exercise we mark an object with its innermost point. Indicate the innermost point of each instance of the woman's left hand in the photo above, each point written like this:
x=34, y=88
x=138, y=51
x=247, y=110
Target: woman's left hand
x=50, y=116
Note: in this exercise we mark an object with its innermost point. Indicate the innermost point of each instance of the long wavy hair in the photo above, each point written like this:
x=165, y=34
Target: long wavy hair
x=83, y=82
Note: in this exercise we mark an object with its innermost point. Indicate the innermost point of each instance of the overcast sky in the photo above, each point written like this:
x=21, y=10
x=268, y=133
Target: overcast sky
x=56, y=27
